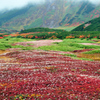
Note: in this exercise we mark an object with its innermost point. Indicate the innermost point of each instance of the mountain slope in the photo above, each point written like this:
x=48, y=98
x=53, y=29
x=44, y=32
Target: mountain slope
x=92, y=25
x=53, y=13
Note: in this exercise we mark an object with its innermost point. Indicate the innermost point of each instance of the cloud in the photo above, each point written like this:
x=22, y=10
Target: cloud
x=92, y=1
x=10, y=4
x=95, y=1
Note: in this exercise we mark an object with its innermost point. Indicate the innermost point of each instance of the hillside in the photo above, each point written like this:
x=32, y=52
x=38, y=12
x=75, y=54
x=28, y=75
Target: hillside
x=92, y=25
x=53, y=13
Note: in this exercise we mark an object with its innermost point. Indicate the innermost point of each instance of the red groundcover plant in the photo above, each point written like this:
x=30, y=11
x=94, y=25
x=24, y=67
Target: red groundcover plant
x=34, y=75
x=1, y=37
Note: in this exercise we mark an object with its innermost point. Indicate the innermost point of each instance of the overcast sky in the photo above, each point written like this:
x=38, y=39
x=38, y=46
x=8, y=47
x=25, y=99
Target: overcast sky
x=9, y=4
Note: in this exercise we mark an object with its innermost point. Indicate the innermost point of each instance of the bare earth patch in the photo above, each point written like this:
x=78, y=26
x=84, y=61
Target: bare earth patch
x=38, y=42
x=90, y=44
x=3, y=51
x=95, y=57
x=3, y=56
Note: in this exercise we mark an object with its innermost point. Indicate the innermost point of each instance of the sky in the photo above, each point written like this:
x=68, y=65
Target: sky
x=10, y=4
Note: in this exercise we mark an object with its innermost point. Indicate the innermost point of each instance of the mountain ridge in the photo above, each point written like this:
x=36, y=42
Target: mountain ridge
x=92, y=25
x=50, y=14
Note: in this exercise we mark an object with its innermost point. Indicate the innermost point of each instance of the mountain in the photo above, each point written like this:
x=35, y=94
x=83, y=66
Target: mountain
x=53, y=13
x=92, y=25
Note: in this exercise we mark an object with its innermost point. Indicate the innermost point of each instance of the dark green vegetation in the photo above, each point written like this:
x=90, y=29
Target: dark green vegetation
x=62, y=35
x=47, y=33
x=50, y=14
x=41, y=29
x=92, y=25
x=89, y=34
x=44, y=33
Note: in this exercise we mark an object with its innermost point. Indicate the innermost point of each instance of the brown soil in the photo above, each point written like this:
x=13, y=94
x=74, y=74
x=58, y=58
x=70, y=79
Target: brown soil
x=3, y=51
x=95, y=57
x=3, y=57
x=7, y=59
x=90, y=44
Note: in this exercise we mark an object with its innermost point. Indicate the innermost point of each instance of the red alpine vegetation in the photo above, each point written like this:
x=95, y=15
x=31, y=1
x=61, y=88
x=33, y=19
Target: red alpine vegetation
x=33, y=75
x=84, y=50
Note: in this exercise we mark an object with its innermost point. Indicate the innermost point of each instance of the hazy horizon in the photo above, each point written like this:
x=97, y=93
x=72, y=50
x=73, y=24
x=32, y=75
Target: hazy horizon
x=11, y=4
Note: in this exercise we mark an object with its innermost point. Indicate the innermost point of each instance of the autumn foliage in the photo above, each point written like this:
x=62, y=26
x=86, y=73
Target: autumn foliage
x=48, y=76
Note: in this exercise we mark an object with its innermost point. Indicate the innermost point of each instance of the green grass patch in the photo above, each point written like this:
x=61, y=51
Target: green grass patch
x=58, y=47
x=11, y=40
x=8, y=41
x=70, y=55
x=70, y=45
x=4, y=46
x=92, y=52
x=30, y=44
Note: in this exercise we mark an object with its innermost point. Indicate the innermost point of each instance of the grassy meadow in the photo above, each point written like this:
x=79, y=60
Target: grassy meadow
x=71, y=40
x=67, y=45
